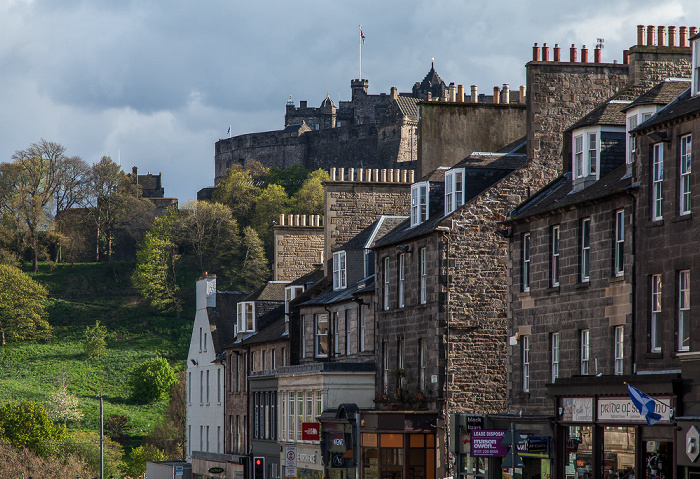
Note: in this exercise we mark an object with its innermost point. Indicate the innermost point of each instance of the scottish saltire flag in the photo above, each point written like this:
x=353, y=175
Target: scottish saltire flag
x=229, y=130
x=362, y=35
x=645, y=404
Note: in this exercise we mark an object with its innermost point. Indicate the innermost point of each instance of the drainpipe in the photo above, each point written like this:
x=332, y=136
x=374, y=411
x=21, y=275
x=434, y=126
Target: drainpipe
x=445, y=230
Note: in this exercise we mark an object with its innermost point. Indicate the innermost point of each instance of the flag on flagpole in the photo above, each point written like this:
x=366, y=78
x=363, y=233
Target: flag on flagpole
x=362, y=35
x=645, y=404
x=229, y=131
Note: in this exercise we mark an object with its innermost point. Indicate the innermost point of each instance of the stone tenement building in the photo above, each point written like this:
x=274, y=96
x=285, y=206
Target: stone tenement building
x=369, y=131
x=298, y=243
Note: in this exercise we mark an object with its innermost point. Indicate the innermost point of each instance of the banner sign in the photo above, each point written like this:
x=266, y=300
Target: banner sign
x=310, y=431
x=487, y=443
x=624, y=410
x=577, y=410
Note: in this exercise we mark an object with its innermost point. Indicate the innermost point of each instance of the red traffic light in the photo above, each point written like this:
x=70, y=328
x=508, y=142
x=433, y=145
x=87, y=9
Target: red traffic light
x=258, y=461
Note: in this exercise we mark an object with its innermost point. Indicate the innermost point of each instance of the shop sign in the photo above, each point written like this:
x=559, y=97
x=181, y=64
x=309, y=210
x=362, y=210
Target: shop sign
x=290, y=460
x=310, y=431
x=487, y=443
x=475, y=423
x=534, y=446
x=624, y=410
x=576, y=410
x=216, y=470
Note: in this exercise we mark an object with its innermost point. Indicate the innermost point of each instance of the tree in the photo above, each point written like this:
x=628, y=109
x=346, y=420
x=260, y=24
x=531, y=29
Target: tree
x=37, y=183
x=135, y=464
x=11, y=225
x=272, y=202
x=255, y=269
x=290, y=178
x=22, y=314
x=170, y=435
x=151, y=380
x=238, y=191
x=211, y=233
x=21, y=462
x=27, y=424
x=63, y=406
x=86, y=445
x=309, y=199
x=95, y=342
x=156, y=256
x=117, y=427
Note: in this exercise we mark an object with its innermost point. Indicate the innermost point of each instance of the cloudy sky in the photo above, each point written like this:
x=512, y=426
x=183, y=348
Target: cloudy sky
x=157, y=83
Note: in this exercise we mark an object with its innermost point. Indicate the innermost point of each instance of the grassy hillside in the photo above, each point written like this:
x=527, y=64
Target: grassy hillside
x=81, y=294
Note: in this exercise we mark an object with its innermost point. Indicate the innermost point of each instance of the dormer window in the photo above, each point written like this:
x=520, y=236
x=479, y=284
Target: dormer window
x=339, y=271
x=419, y=203
x=696, y=67
x=585, y=154
x=291, y=292
x=246, y=317
x=454, y=190
x=635, y=117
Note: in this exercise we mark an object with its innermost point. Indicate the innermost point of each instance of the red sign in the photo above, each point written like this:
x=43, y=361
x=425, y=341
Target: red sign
x=310, y=431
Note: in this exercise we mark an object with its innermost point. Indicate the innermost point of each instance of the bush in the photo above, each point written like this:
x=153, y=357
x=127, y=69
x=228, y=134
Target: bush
x=117, y=427
x=135, y=464
x=95, y=343
x=151, y=380
x=27, y=424
x=86, y=445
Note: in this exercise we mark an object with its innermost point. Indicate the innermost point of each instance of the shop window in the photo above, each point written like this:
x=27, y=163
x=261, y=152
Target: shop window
x=578, y=459
x=618, y=452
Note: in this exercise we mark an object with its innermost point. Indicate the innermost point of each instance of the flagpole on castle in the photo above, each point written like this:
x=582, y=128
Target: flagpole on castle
x=362, y=40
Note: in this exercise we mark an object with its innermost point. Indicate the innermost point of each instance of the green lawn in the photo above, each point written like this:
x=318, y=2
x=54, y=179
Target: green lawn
x=81, y=294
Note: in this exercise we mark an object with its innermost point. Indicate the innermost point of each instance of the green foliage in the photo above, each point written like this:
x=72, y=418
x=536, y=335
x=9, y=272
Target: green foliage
x=309, y=199
x=86, y=445
x=135, y=464
x=22, y=314
x=95, y=342
x=27, y=424
x=290, y=178
x=238, y=190
x=255, y=268
x=272, y=202
x=63, y=406
x=117, y=426
x=151, y=380
x=156, y=256
x=170, y=434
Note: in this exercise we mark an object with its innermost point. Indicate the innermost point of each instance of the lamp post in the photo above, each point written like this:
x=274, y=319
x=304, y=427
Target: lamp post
x=102, y=436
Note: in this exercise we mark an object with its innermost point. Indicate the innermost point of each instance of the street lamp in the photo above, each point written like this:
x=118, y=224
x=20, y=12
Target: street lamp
x=102, y=437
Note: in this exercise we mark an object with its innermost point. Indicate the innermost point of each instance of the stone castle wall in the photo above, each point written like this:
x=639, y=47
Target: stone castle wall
x=298, y=244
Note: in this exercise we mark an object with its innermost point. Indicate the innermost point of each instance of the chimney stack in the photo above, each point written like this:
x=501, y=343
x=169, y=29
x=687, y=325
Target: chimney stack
x=557, y=53
x=584, y=54
x=650, y=35
x=394, y=93
x=535, y=53
x=545, y=52
x=572, y=53
x=496, y=95
x=475, y=95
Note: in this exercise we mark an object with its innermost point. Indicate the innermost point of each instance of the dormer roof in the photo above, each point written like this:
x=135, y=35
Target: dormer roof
x=660, y=94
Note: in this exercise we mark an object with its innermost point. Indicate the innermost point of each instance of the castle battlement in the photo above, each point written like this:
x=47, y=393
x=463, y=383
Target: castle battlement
x=372, y=175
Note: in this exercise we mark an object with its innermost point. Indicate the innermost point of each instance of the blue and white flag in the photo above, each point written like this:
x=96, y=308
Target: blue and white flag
x=645, y=404
x=229, y=130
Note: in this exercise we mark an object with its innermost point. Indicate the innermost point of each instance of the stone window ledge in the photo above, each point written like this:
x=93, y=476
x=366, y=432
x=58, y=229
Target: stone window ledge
x=616, y=279
x=653, y=355
x=685, y=217
x=583, y=285
x=553, y=289
x=654, y=223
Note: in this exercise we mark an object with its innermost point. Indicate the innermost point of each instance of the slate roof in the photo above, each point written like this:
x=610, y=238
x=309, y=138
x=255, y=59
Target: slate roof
x=270, y=327
x=366, y=238
x=311, y=277
x=682, y=106
x=341, y=295
x=559, y=194
x=272, y=291
x=611, y=112
x=431, y=78
x=222, y=319
x=660, y=94
x=408, y=106
x=435, y=176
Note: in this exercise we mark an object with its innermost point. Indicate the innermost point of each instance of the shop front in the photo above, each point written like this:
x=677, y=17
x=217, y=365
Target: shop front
x=607, y=437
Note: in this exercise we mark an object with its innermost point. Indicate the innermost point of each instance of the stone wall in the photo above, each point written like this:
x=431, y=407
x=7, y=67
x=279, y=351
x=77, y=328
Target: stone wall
x=354, y=201
x=449, y=132
x=298, y=242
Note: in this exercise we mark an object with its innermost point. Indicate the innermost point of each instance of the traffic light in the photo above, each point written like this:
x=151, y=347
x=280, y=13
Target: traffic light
x=258, y=468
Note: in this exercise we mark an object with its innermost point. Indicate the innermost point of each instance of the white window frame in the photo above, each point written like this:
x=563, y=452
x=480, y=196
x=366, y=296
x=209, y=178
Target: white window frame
x=454, y=189
x=578, y=156
x=363, y=332
x=695, y=87
x=685, y=169
x=684, y=310
x=631, y=140
x=246, y=317
x=423, y=364
x=655, y=309
x=619, y=242
x=420, y=193
x=402, y=279
x=336, y=333
x=657, y=181
x=339, y=270
x=208, y=389
x=585, y=250
x=385, y=364
x=303, y=336
x=592, y=156
x=290, y=293
x=555, y=338
x=554, y=273
x=386, y=283
x=423, y=275
x=585, y=352
x=319, y=334
x=526, y=261
x=348, y=332
x=526, y=362
x=619, y=366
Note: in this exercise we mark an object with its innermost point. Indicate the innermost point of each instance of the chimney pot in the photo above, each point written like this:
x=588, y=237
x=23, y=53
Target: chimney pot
x=451, y=93
x=506, y=93
x=303, y=220
x=281, y=220
x=404, y=176
x=626, y=57
x=475, y=95
x=584, y=54
x=572, y=53
x=597, y=55
x=557, y=53
x=496, y=94
x=375, y=175
x=411, y=176
x=341, y=174
x=460, y=93
x=683, y=42
x=640, y=34
x=693, y=31
x=671, y=35
x=661, y=36
x=522, y=94
x=383, y=175
x=333, y=174
x=650, y=35
x=545, y=52
x=535, y=53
